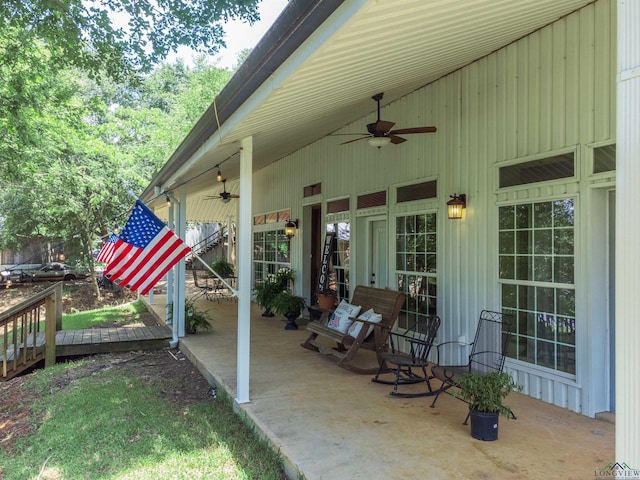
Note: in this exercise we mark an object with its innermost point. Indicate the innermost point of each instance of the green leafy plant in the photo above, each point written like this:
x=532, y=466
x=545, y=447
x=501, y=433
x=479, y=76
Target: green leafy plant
x=194, y=318
x=485, y=393
x=265, y=292
x=223, y=268
x=284, y=276
x=285, y=303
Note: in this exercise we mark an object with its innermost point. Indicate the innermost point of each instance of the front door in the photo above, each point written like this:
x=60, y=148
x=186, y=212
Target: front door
x=378, y=271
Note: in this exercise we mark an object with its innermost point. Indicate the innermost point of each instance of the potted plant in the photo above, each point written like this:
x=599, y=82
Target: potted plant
x=326, y=299
x=485, y=395
x=285, y=277
x=289, y=305
x=194, y=318
x=223, y=268
x=264, y=293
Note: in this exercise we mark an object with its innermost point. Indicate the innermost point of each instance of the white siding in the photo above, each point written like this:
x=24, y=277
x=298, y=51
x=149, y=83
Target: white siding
x=551, y=91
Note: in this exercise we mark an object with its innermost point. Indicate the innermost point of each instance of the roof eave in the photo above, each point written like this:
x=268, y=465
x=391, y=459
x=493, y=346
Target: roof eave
x=294, y=25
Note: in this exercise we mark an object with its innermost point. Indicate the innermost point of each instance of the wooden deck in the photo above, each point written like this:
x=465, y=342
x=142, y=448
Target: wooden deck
x=103, y=340
x=115, y=339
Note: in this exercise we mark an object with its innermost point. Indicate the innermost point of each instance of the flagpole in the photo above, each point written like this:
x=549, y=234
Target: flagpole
x=224, y=282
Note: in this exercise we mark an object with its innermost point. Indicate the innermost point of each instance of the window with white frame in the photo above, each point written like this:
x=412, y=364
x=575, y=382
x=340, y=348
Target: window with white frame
x=270, y=254
x=536, y=276
x=416, y=255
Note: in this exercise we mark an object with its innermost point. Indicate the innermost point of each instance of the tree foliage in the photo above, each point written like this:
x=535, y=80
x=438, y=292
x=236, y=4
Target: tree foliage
x=119, y=36
x=95, y=141
x=84, y=119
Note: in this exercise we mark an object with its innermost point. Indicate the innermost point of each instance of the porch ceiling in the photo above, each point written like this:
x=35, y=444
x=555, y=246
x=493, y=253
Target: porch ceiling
x=364, y=47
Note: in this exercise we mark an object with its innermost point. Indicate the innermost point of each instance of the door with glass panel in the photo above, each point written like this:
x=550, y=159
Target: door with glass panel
x=378, y=254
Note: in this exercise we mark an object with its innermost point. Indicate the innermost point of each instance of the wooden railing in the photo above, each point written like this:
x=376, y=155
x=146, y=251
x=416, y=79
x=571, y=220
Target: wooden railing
x=28, y=332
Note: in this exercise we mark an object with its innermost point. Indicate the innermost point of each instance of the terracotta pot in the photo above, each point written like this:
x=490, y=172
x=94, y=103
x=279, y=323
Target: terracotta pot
x=326, y=301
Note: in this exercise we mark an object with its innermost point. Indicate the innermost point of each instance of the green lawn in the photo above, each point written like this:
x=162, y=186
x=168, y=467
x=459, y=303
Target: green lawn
x=117, y=316
x=106, y=422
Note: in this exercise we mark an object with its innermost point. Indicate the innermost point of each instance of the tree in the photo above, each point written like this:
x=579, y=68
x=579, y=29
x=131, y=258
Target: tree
x=120, y=36
x=96, y=141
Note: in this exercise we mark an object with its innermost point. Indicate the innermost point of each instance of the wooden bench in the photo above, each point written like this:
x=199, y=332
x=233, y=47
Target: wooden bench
x=385, y=302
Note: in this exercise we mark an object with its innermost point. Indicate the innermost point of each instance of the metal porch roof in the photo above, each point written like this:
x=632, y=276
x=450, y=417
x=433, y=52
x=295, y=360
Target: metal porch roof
x=315, y=70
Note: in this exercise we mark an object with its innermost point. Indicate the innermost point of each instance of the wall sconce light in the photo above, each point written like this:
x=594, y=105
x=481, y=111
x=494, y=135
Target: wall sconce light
x=290, y=228
x=456, y=205
x=379, y=141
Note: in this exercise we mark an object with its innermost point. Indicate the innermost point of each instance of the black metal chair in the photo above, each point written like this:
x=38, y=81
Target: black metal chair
x=409, y=367
x=488, y=352
x=206, y=290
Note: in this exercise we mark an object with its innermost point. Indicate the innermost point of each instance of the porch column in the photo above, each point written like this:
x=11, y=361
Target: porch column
x=627, y=234
x=244, y=254
x=171, y=301
x=179, y=285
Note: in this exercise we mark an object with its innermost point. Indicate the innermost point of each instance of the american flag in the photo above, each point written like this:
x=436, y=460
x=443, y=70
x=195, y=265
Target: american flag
x=144, y=252
x=106, y=252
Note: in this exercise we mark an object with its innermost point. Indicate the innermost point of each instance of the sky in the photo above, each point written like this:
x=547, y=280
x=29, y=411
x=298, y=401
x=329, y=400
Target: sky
x=240, y=35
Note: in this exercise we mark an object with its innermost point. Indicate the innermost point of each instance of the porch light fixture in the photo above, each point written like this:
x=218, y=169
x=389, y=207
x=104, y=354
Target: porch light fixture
x=290, y=228
x=456, y=205
x=379, y=141
x=168, y=199
x=219, y=175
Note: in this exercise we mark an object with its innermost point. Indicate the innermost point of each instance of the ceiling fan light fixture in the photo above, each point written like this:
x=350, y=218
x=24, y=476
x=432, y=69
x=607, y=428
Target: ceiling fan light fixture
x=379, y=141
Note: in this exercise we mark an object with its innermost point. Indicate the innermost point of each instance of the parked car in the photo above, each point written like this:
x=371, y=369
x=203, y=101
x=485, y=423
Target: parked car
x=5, y=276
x=53, y=271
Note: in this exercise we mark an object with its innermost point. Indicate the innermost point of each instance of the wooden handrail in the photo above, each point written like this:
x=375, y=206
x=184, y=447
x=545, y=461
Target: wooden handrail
x=22, y=342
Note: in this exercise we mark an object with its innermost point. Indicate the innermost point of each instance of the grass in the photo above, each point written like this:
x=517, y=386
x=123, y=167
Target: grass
x=112, y=424
x=116, y=316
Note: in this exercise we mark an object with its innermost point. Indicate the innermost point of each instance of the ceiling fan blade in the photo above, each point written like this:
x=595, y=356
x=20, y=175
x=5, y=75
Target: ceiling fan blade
x=382, y=126
x=395, y=139
x=233, y=195
x=351, y=134
x=355, y=140
x=404, y=131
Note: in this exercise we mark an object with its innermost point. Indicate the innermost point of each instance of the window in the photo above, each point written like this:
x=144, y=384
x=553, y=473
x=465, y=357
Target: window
x=270, y=253
x=604, y=159
x=417, y=191
x=416, y=264
x=542, y=170
x=536, y=269
x=340, y=259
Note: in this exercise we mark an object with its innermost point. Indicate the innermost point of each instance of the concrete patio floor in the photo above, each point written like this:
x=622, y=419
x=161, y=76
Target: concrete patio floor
x=330, y=423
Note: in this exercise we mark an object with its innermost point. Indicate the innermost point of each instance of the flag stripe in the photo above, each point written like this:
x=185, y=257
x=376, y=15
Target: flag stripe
x=151, y=281
x=160, y=255
x=108, y=249
x=120, y=258
x=145, y=251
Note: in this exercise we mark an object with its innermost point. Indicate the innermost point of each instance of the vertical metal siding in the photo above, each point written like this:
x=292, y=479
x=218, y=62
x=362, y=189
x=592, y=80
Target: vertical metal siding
x=627, y=299
x=549, y=91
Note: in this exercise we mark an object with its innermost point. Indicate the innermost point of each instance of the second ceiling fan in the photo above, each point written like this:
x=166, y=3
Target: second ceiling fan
x=224, y=195
x=380, y=133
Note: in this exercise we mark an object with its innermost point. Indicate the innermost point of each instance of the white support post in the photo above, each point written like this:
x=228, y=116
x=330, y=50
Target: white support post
x=244, y=254
x=180, y=286
x=627, y=355
x=171, y=312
